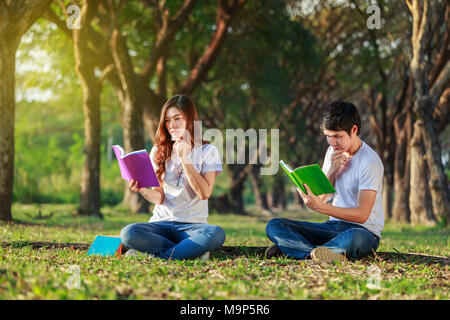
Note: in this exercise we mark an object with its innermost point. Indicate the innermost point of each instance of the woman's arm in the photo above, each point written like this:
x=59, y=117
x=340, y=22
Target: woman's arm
x=202, y=184
x=154, y=195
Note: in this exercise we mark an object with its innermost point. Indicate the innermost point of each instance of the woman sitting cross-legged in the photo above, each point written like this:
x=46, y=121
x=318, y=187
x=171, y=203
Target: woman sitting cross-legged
x=186, y=170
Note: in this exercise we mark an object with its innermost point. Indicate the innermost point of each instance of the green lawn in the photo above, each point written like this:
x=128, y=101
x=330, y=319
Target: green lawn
x=27, y=273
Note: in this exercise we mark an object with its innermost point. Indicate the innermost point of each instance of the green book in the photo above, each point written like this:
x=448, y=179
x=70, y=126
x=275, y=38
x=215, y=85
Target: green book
x=312, y=175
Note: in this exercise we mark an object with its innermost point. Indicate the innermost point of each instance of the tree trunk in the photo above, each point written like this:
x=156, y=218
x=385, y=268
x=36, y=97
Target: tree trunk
x=233, y=201
x=425, y=23
x=260, y=196
x=7, y=106
x=387, y=197
x=152, y=107
x=279, y=194
x=419, y=197
x=400, y=208
x=438, y=179
x=90, y=185
x=133, y=137
x=90, y=201
x=15, y=19
x=132, y=108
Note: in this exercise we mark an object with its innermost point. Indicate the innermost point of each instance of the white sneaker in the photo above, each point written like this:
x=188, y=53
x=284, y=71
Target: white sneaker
x=204, y=257
x=135, y=253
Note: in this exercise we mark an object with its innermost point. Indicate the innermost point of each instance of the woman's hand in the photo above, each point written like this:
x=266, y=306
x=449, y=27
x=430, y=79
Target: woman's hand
x=134, y=186
x=154, y=195
x=182, y=149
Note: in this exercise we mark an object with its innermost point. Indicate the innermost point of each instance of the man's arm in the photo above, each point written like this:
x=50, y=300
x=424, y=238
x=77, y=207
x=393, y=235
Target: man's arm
x=359, y=214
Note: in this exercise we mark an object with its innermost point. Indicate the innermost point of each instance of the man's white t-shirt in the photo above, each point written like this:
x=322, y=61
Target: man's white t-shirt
x=365, y=172
x=181, y=203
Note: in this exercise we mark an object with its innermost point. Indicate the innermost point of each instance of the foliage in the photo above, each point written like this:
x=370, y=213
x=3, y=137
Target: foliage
x=268, y=53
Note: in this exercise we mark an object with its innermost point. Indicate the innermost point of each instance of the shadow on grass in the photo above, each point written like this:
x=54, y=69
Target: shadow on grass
x=232, y=252
x=94, y=223
x=414, y=258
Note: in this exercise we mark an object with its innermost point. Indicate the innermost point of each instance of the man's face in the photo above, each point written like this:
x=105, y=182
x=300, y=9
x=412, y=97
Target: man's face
x=340, y=140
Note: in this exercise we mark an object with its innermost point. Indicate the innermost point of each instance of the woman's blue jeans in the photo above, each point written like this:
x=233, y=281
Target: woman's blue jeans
x=172, y=240
x=297, y=239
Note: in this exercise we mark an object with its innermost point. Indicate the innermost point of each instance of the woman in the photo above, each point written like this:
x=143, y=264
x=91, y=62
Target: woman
x=186, y=171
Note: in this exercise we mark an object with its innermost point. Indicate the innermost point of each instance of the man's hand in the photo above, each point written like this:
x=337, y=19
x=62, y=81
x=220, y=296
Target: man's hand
x=339, y=162
x=311, y=200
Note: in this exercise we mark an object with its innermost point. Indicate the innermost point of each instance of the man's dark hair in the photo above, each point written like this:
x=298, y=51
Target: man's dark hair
x=340, y=115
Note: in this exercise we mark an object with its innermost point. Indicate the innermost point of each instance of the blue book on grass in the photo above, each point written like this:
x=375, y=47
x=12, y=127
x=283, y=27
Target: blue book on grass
x=106, y=246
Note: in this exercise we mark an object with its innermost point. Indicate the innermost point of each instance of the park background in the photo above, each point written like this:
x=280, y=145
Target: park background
x=67, y=94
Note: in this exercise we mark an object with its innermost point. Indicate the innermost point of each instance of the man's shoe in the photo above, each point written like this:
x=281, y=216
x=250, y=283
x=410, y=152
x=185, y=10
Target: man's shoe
x=273, y=251
x=325, y=254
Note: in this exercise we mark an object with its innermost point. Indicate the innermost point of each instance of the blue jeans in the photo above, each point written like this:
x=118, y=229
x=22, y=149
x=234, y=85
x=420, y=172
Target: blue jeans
x=172, y=240
x=297, y=239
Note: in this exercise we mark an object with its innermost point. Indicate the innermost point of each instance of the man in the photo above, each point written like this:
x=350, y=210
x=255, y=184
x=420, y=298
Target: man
x=356, y=212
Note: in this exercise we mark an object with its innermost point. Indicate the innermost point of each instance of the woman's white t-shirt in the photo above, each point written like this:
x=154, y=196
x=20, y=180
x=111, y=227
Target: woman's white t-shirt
x=365, y=172
x=181, y=203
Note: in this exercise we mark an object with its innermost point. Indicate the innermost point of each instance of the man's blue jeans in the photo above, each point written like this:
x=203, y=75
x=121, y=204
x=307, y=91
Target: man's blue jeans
x=172, y=240
x=297, y=239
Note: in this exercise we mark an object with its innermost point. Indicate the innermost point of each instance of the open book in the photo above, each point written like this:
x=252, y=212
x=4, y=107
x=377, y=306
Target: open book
x=136, y=166
x=311, y=175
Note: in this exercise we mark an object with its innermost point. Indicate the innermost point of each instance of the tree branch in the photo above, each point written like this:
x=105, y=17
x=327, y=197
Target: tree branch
x=23, y=14
x=204, y=63
x=106, y=72
x=443, y=56
x=50, y=15
x=441, y=83
x=165, y=36
x=408, y=3
x=4, y=14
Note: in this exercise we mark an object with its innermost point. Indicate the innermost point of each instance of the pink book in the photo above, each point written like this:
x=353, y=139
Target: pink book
x=136, y=166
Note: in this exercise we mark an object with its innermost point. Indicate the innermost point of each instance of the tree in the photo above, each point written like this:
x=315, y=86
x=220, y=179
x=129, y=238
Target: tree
x=86, y=62
x=139, y=100
x=431, y=75
x=386, y=76
x=88, y=59
x=254, y=86
x=15, y=19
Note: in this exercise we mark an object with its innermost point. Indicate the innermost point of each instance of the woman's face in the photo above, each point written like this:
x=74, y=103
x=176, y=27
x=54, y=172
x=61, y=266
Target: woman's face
x=175, y=123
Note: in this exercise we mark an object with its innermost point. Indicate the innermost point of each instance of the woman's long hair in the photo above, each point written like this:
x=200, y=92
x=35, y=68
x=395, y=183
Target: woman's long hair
x=163, y=139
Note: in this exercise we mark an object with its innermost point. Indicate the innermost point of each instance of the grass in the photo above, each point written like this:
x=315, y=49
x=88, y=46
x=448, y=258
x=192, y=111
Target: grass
x=27, y=273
